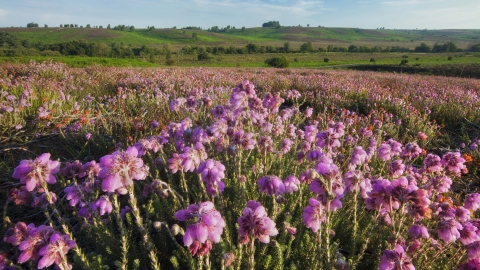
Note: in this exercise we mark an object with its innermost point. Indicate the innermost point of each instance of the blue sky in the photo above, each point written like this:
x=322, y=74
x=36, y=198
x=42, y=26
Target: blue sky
x=368, y=14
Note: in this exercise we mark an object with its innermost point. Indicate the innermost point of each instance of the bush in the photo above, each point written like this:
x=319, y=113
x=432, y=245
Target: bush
x=403, y=62
x=278, y=62
x=372, y=60
x=204, y=56
x=326, y=60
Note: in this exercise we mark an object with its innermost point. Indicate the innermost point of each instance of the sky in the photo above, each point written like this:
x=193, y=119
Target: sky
x=366, y=14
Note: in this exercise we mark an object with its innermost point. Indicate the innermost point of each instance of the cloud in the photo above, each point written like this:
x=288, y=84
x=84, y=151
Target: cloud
x=3, y=13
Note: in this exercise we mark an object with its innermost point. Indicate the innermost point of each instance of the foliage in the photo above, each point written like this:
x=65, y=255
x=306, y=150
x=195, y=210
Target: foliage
x=204, y=150
x=272, y=24
x=278, y=62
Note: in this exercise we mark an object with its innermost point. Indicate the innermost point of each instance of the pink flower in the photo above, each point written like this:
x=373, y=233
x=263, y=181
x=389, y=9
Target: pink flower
x=17, y=234
x=55, y=251
x=395, y=259
x=314, y=215
x=207, y=227
x=103, y=205
x=119, y=169
x=448, y=230
x=255, y=223
x=271, y=185
x=37, y=238
x=33, y=173
x=422, y=136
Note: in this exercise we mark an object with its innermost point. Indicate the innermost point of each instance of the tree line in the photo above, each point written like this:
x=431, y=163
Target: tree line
x=10, y=45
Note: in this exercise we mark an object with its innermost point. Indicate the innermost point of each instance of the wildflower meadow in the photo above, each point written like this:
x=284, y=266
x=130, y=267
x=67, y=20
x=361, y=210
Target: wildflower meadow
x=208, y=168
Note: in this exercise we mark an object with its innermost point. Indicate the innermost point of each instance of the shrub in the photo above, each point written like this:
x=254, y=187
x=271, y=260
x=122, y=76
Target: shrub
x=278, y=62
x=326, y=60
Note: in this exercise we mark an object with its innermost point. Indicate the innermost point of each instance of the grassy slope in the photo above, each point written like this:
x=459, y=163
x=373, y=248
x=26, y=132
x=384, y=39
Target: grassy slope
x=295, y=35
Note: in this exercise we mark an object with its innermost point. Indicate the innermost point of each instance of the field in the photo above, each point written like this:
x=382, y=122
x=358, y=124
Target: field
x=319, y=36
x=184, y=46
x=239, y=167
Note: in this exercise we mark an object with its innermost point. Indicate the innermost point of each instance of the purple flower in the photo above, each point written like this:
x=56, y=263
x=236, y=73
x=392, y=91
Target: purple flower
x=37, y=238
x=314, y=214
x=103, y=205
x=472, y=201
x=308, y=112
x=212, y=173
x=119, y=169
x=315, y=154
x=17, y=234
x=448, y=230
x=397, y=168
x=468, y=234
x=74, y=194
x=271, y=185
x=291, y=184
x=207, y=227
x=472, y=264
x=328, y=139
x=34, y=173
x=310, y=133
x=357, y=158
x=71, y=169
x=286, y=146
x=55, y=250
x=395, y=259
x=474, y=250
x=454, y=163
x=432, y=163
x=411, y=151
x=418, y=231
x=254, y=223
x=265, y=143
x=90, y=169
x=142, y=145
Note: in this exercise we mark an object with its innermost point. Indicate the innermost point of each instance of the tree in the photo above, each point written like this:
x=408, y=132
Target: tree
x=273, y=24
x=168, y=55
x=423, y=48
x=46, y=26
x=88, y=26
x=32, y=24
x=286, y=47
x=194, y=35
x=278, y=62
x=108, y=26
x=306, y=47
x=131, y=28
x=475, y=48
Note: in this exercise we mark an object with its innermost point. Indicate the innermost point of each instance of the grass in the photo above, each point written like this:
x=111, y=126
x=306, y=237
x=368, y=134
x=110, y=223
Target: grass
x=266, y=36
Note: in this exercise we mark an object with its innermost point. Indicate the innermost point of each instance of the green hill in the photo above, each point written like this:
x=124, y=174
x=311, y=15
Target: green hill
x=319, y=36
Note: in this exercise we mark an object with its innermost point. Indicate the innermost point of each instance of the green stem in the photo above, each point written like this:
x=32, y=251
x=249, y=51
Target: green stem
x=152, y=253
x=123, y=234
x=64, y=226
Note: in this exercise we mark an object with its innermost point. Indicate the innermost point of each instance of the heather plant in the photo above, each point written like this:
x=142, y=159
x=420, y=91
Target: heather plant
x=170, y=172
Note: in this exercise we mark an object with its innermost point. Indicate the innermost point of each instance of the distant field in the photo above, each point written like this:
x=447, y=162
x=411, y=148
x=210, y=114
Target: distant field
x=319, y=36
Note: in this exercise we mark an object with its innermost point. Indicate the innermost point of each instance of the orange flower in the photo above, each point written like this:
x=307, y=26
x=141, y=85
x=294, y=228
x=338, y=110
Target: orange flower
x=468, y=158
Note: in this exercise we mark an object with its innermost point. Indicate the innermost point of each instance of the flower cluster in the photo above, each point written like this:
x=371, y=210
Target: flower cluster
x=206, y=226
x=255, y=224
x=40, y=243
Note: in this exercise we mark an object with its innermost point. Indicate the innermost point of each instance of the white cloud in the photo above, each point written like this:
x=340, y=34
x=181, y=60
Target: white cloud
x=3, y=13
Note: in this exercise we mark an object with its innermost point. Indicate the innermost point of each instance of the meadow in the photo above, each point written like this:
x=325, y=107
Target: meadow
x=237, y=168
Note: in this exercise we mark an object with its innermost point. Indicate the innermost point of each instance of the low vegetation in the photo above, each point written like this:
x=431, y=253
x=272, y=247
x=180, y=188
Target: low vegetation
x=236, y=168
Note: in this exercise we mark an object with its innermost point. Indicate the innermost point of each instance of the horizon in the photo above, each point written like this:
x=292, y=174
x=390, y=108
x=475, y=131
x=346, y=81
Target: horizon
x=362, y=14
